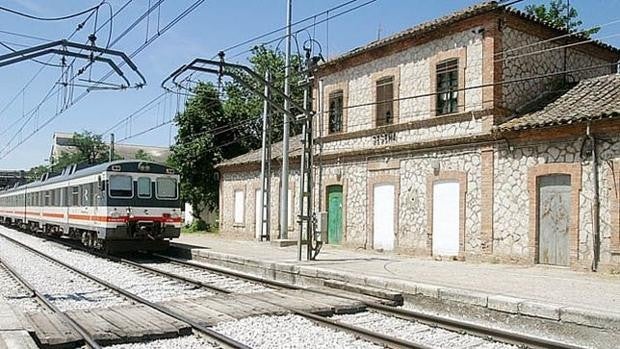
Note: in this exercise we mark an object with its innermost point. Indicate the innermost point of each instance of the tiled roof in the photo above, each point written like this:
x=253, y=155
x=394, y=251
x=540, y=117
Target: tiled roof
x=590, y=99
x=472, y=11
x=255, y=156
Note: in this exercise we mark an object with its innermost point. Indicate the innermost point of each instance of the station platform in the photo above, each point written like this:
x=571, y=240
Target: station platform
x=546, y=292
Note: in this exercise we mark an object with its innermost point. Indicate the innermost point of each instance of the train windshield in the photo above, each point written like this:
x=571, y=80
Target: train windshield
x=166, y=188
x=121, y=186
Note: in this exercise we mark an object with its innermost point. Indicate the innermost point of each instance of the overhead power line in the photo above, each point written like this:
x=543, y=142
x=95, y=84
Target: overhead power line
x=61, y=18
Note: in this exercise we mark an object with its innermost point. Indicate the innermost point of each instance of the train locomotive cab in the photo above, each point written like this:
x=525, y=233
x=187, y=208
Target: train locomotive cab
x=142, y=206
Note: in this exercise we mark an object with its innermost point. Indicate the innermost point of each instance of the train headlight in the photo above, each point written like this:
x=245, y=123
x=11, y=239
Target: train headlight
x=115, y=214
x=175, y=214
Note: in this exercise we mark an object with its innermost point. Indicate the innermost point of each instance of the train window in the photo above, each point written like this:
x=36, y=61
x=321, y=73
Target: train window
x=47, y=198
x=121, y=186
x=86, y=194
x=166, y=188
x=144, y=187
x=75, y=196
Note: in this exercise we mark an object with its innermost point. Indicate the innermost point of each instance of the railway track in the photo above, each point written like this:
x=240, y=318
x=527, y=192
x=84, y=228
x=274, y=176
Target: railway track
x=88, y=339
x=453, y=325
x=215, y=279
x=222, y=340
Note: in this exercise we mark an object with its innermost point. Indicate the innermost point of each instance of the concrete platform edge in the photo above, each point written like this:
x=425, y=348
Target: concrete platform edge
x=311, y=275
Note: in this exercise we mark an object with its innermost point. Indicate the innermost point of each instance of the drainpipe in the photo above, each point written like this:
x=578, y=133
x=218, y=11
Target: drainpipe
x=595, y=205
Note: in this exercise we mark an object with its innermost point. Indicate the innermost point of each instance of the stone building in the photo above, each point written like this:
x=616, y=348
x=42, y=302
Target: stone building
x=471, y=137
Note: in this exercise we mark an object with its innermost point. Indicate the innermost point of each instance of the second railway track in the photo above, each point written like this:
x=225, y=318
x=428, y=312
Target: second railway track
x=384, y=325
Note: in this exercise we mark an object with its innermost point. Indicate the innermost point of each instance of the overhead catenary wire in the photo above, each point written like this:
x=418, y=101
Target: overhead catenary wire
x=7, y=150
x=60, y=18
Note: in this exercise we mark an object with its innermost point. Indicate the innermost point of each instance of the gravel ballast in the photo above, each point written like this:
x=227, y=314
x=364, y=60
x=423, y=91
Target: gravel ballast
x=288, y=331
x=66, y=289
x=417, y=332
x=14, y=293
x=187, y=342
x=234, y=285
x=150, y=286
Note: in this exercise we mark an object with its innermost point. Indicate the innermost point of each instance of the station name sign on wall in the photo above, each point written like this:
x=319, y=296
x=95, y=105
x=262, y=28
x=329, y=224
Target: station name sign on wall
x=384, y=138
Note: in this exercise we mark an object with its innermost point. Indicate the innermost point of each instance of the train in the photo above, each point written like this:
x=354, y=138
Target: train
x=119, y=206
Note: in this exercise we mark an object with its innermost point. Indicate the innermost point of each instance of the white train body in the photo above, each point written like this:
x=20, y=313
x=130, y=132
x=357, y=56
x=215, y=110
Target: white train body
x=117, y=206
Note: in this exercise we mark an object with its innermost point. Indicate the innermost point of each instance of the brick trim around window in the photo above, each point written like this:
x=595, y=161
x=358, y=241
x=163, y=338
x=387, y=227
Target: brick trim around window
x=461, y=178
x=574, y=171
x=461, y=55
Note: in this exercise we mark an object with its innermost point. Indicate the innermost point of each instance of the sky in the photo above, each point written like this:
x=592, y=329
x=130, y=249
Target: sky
x=211, y=27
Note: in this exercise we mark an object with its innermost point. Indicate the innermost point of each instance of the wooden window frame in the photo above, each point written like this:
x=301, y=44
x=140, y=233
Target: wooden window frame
x=377, y=77
x=461, y=55
x=327, y=91
x=449, y=66
x=329, y=111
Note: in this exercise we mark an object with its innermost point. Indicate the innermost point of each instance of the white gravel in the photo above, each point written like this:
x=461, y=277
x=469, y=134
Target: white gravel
x=14, y=293
x=186, y=342
x=66, y=289
x=417, y=332
x=150, y=286
x=288, y=331
x=232, y=284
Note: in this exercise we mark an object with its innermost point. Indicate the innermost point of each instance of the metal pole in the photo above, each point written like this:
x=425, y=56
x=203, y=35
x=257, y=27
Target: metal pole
x=285, y=139
x=302, y=185
x=264, y=227
x=111, y=155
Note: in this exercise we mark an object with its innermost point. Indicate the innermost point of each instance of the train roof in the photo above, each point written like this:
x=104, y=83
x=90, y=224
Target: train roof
x=125, y=166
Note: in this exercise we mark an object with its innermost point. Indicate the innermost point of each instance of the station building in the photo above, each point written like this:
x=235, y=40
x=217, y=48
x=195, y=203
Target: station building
x=474, y=136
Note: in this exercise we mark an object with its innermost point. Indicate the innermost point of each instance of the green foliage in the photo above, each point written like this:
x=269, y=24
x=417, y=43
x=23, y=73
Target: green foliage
x=199, y=148
x=196, y=226
x=559, y=15
x=244, y=104
x=196, y=151
x=142, y=155
x=89, y=149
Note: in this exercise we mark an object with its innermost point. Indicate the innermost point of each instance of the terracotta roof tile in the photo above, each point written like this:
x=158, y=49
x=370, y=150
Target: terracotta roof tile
x=594, y=98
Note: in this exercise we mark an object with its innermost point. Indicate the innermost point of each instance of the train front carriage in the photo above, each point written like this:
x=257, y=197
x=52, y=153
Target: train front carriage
x=141, y=203
x=117, y=206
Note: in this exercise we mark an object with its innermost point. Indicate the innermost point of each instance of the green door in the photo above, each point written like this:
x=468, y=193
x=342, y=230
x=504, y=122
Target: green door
x=334, y=214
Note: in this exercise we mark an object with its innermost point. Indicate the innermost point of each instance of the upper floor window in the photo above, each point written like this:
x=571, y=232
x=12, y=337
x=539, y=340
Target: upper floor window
x=447, y=86
x=385, y=101
x=336, y=103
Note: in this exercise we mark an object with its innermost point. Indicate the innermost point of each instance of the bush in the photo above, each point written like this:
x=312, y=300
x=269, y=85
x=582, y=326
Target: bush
x=197, y=225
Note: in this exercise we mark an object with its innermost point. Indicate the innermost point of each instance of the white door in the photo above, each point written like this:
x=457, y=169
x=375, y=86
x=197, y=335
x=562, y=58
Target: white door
x=258, y=204
x=383, y=217
x=446, y=218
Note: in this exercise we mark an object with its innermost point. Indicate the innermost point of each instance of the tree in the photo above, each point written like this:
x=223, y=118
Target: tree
x=559, y=15
x=142, y=155
x=242, y=104
x=198, y=148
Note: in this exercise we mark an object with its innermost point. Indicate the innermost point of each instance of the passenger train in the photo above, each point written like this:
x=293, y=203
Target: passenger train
x=114, y=207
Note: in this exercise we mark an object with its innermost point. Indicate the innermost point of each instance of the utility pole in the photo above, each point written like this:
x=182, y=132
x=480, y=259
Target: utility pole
x=111, y=154
x=285, y=138
x=265, y=171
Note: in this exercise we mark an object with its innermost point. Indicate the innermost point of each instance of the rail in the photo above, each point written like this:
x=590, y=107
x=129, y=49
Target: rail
x=218, y=337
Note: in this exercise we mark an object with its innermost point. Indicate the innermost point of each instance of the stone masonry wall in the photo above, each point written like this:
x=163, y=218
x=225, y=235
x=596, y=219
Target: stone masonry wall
x=523, y=63
x=249, y=181
x=512, y=199
x=414, y=66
